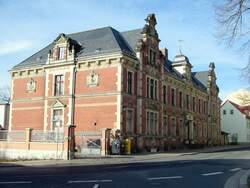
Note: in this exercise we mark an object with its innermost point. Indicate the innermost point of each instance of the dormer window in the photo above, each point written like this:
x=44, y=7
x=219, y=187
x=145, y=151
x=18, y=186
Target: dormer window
x=61, y=53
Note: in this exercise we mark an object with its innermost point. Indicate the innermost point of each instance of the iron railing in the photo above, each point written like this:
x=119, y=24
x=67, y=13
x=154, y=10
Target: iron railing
x=47, y=136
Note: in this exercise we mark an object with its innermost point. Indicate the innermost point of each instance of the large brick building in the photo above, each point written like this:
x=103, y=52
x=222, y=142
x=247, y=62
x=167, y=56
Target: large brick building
x=104, y=78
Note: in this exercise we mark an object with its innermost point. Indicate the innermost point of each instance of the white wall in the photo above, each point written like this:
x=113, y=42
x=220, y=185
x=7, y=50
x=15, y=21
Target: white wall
x=4, y=115
x=234, y=123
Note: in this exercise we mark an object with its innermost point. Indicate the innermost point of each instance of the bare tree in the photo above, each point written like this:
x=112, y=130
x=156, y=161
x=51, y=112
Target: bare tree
x=233, y=17
x=5, y=93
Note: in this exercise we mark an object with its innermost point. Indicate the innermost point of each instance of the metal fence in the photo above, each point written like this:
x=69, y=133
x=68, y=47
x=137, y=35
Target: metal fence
x=87, y=143
x=14, y=136
x=47, y=136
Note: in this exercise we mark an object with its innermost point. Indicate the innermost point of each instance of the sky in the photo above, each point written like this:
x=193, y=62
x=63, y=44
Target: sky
x=28, y=26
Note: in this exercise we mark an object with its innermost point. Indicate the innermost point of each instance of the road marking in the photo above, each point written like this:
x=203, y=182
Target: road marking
x=234, y=169
x=184, y=161
x=90, y=181
x=15, y=182
x=96, y=186
x=163, y=178
x=212, y=173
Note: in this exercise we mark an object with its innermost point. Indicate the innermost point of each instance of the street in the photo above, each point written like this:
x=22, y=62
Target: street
x=209, y=169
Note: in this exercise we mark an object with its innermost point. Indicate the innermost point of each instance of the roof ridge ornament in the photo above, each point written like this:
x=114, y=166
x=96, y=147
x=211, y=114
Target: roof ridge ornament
x=149, y=27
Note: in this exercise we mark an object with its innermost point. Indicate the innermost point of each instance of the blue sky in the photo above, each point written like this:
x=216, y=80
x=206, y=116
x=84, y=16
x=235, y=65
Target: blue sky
x=27, y=26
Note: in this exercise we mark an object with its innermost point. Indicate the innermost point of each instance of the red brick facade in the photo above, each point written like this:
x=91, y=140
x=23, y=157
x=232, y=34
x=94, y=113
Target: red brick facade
x=120, y=92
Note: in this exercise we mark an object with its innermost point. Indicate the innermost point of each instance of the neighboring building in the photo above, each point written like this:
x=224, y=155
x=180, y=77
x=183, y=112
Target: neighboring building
x=235, y=120
x=104, y=78
x=4, y=114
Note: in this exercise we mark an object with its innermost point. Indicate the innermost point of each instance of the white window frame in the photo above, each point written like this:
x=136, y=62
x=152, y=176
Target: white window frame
x=52, y=118
x=61, y=52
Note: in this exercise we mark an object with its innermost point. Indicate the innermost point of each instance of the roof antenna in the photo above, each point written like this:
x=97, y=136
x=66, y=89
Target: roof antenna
x=180, y=42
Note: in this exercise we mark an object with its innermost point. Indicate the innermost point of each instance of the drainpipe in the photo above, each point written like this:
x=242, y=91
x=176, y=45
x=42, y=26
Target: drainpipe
x=72, y=122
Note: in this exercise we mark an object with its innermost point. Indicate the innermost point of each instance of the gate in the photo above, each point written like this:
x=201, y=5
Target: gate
x=88, y=143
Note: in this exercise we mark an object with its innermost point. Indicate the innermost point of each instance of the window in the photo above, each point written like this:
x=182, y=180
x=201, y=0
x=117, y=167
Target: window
x=204, y=107
x=224, y=112
x=57, y=118
x=165, y=124
x=180, y=99
x=181, y=127
x=152, y=57
x=129, y=121
x=174, y=130
x=194, y=104
x=187, y=102
x=173, y=97
x=231, y=111
x=61, y=53
x=130, y=81
x=152, y=122
x=59, y=82
x=199, y=106
x=165, y=94
x=152, y=88
x=148, y=86
x=155, y=93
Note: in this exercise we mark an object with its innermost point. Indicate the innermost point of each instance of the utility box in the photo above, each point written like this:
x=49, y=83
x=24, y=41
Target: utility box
x=127, y=146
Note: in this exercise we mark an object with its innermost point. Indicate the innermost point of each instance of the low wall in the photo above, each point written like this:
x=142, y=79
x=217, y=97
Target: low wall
x=32, y=150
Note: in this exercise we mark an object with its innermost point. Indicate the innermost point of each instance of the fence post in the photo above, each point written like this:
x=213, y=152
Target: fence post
x=69, y=142
x=27, y=137
x=105, y=139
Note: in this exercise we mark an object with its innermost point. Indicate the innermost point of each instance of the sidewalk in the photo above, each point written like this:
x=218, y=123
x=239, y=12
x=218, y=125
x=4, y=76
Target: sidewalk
x=121, y=159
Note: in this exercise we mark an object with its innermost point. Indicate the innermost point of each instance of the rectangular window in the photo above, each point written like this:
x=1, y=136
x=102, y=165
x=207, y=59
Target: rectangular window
x=155, y=92
x=174, y=130
x=231, y=111
x=180, y=99
x=148, y=87
x=165, y=124
x=187, y=102
x=224, y=112
x=199, y=106
x=194, y=104
x=129, y=121
x=152, y=57
x=204, y=106
x=61, y=53
x=152, y=123
x=57, y=118
x=59, y=85
x=173, y=97
x=181, y=128
x=129, y=82
x=165, y=94
x=152, y=88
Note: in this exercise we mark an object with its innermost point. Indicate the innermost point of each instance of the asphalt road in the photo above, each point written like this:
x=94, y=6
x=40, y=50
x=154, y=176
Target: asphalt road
x=201, y=170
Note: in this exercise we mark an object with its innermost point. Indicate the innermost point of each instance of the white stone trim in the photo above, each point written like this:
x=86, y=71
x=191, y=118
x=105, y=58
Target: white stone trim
x=119, y=96
x=11, y=104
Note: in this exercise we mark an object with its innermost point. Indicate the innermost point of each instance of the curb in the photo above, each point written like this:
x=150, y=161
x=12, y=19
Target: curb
x=243, y=180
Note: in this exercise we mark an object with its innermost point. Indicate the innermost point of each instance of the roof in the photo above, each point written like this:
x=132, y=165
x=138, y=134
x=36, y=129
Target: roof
x=245, y=110
x=93, y=42
x=132, y=37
